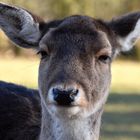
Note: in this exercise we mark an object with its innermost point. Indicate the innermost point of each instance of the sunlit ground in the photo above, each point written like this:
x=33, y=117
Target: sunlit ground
x=121, y=120
x=21, y=71
x=126, y=77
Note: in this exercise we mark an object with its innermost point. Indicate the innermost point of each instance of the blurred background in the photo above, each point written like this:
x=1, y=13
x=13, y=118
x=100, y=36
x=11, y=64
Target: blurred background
x=121, y=120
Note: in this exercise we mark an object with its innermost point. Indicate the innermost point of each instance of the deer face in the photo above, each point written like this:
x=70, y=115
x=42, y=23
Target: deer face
x=74, y=73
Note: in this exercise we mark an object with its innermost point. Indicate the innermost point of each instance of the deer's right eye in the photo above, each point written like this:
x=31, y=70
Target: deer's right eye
x=43, y=54
x=104, y=58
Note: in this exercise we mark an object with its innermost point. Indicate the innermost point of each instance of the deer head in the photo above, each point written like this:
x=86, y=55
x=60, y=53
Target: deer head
x=76, y=55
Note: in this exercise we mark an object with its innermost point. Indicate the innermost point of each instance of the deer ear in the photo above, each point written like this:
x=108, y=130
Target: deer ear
x=20, y=26
x=127, y=29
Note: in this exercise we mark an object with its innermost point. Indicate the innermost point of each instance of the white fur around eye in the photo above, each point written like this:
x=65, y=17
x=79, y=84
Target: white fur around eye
x=128, y=41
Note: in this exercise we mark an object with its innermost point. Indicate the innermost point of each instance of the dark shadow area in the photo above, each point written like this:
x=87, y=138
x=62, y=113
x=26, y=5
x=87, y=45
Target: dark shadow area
x=121, y=118
x=119, y=124
x=120, y=133
x=123, y=98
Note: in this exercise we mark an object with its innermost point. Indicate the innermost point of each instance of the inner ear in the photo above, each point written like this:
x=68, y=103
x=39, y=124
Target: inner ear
x=20, y=25
x=127, y=29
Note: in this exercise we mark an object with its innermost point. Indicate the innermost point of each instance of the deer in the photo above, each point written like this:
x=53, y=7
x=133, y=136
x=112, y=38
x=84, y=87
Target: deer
x=74, y=73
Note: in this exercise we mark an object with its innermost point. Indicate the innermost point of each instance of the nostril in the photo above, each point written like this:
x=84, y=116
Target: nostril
x=73, y=94
x=55, y=92
x=64, y=97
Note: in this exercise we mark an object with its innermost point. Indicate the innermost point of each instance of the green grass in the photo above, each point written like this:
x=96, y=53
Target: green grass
x=121, y=119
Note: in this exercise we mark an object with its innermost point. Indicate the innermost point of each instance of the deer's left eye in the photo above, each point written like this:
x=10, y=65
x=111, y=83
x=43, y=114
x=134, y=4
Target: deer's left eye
x=104, y=58
x=43, y=54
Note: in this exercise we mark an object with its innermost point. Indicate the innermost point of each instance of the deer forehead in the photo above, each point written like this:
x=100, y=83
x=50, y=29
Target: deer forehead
x=77, y=32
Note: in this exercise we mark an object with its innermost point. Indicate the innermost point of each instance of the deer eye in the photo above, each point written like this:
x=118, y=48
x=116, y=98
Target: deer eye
x=43, y=54
x=104, y=58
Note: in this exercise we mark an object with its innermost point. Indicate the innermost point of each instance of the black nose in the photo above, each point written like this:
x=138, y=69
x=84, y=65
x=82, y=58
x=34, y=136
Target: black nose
x=64, y=97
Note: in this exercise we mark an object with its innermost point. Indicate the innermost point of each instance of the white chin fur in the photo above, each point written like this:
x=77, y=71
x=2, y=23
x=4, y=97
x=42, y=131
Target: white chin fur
x=63, y=112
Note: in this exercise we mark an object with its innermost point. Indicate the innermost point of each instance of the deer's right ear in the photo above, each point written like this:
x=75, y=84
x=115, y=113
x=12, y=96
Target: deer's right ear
x=20, y=26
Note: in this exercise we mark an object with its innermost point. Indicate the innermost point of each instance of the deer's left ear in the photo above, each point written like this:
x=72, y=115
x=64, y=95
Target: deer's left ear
x=20, y=26
x=127, y=29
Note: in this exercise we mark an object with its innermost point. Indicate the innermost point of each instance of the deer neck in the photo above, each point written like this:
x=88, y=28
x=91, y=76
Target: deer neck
x=75, y=129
